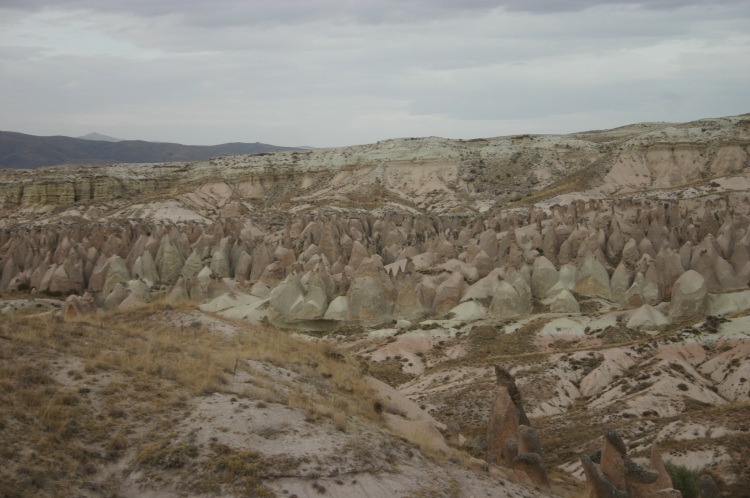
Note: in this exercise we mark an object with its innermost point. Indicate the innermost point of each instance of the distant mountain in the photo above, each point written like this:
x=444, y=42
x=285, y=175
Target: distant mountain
x=98, y=136
x=21, y=151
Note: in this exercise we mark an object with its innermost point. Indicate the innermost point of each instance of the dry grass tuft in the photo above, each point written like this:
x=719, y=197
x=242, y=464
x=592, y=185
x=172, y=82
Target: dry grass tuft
x=78, y=397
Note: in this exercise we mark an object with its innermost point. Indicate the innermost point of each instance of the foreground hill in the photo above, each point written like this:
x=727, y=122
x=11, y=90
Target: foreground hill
x=21, y=151
x=607, y=271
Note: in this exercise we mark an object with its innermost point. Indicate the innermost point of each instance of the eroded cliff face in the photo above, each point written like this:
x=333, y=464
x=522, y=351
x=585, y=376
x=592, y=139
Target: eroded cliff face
x=429, y=174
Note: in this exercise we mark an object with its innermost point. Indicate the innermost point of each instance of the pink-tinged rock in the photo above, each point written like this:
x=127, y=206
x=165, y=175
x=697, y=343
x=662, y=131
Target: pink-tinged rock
x=592, y=279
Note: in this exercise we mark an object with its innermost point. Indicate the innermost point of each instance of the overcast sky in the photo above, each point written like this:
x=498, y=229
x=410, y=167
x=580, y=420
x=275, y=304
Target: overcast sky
x=342, y=72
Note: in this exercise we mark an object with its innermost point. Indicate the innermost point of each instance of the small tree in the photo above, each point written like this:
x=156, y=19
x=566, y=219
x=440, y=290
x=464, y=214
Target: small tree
x=683, y=479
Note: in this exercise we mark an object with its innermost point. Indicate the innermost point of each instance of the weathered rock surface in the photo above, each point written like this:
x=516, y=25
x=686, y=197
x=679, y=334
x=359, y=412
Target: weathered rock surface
x=506, y=416
x=506, y=303
x=688, y=296
x=647, y=318
x=618, y=476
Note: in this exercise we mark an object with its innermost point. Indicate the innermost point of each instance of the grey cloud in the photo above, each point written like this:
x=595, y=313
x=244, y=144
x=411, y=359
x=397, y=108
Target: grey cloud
x=328, y=72
x=230, y=12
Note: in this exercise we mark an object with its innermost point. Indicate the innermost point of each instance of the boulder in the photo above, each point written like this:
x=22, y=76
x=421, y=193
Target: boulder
x=630, y=254
x=564, y=302
x=179, y=292
x=483, y=289
x=408, y=305
x=469, y=311
x=707, y=487
x=647, y=318
x=10, y=269
x=543, y=277
x=371, y=294
x=566, y=281
x=520, y=279
x=220, y=263
x=144, y=267
x=448, y=294
x=506, y=303
x=688, y=296
x=533, y=466
x=244, y=263
x=316, y=298
x=488, y=243
x=140, y=289
x=288, y=298
x=169, y=261
x=75, y=306
x=115, y=297
x=592, y=279
x=130, y=302
x=61, y=282
x=260, y=289
x=262, y=257
x=622, y=279
x=483, y=264
x=193, y=265
x=600, y=485
x=338, y=310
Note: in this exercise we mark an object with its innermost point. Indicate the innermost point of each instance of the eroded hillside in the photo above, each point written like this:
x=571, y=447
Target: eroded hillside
x=607, y=270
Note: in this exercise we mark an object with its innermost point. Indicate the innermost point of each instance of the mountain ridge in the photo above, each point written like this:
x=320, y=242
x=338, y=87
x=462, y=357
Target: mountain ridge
x=22, y=151
x=98, y=136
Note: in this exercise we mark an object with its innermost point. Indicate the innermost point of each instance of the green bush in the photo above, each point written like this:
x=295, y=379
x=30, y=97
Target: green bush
x=683, y=479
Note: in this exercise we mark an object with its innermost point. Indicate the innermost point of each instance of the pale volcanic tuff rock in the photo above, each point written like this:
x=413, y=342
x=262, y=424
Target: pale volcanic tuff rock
x=543, y=277
x=564, y=302
x=408, y=305
x=371, y=293
x=572, y=245
x=226, y=252
x=448, y=294
x=647, y=318
x=592, y=278
x=144, y=267
x=507, y=303
x=688, y=296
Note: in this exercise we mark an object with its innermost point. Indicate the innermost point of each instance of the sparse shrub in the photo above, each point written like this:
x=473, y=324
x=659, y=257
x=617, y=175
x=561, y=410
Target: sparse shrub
x=244, y=469
x=683, y=479
x=117, y=445
x=165, y=455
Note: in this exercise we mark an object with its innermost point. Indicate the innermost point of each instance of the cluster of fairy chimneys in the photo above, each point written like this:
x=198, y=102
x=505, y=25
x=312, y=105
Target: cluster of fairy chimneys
x=512, y=442
x=665, y=259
